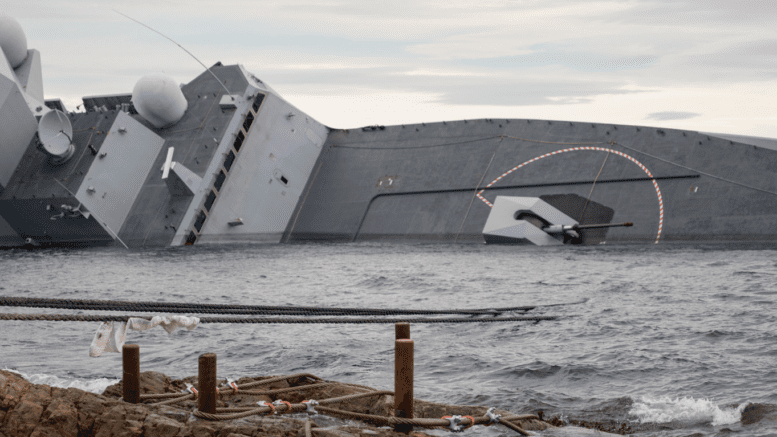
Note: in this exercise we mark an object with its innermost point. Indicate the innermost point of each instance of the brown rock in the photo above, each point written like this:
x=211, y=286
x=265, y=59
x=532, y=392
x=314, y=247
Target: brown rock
x=8, y=401
x=37, y=394
x=229, y=430
x=45, y=431
x=123, y=420
x=161, y=426
x=3, y=381
x=121, y=429
x=136, y=413
x=271, y=426
x=89, y=406
x=62, y=416
x=175, y=414
x=754, y=413
x=71, y=394
x=23, y=419
x=150, y=382
x=16, y=385
x=202, y=429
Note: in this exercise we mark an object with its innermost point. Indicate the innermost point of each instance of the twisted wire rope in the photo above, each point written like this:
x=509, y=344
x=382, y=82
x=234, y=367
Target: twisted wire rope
x=182, y=307
x=117, y=318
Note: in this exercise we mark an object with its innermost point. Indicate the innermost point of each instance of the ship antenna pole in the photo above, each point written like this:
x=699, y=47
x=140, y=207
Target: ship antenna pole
x=182, y=48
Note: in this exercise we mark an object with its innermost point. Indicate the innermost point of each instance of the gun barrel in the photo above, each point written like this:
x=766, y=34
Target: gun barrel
x=603, y=225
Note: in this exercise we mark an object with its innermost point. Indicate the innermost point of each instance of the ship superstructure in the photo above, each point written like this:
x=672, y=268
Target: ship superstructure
x=225, y=159
x=230, y=168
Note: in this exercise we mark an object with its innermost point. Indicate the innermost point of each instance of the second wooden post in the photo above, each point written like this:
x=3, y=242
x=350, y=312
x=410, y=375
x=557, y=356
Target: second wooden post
x=130, y=354
x=403, y=383
x=207, y=384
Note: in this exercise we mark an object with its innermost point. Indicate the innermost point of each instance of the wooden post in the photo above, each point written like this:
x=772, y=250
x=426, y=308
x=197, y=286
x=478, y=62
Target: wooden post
x=207, y=384
x=130, y=354
x=403, y=383
x=402, y=330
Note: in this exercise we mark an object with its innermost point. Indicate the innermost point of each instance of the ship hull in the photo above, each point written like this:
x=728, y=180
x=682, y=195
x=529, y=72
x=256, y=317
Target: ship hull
x=425, y=182
x=255, y=169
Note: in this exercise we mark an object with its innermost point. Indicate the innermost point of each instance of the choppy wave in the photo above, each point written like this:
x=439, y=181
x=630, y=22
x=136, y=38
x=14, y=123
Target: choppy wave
x=664, y=409
x=662, y=320
x=97, y=386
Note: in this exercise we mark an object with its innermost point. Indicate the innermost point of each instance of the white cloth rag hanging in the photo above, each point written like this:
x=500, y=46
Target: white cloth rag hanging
x=110, y=336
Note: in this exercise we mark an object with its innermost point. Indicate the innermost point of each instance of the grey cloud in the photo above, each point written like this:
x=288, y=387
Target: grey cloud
x=671, y=115
x=756, y=54
x=732, y=63
x=497, y=90
x=582, y=61
x=530, y=92
x=694, y=13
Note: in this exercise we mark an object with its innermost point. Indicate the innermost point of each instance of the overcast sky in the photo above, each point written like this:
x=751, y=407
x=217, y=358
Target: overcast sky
x=708, y=65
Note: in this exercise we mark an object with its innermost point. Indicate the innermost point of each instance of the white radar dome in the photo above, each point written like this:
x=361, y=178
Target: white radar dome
x=158, y=99
x=12, y=40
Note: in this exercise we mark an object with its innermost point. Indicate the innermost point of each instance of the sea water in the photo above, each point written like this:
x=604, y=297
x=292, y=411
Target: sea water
x=659, y=340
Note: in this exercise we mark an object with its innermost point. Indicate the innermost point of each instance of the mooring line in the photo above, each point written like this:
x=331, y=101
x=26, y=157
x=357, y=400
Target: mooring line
x=321, y=405
x=192, y=308
x=256, y=320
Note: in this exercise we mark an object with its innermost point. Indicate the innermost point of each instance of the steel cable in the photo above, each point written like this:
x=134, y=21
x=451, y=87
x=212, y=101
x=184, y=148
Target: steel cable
x=116, y=318
x=179, y=307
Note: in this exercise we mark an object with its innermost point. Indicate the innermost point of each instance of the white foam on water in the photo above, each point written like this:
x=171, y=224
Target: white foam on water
x=686, y=409
x=97, y=386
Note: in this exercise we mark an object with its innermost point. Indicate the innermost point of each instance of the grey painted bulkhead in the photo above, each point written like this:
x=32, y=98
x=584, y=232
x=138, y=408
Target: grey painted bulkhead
x=17, y=126
x=434, y=169
x=33, y=202
x=115, y=178
x=8, y=237
x=157, y=217
x=267, y=176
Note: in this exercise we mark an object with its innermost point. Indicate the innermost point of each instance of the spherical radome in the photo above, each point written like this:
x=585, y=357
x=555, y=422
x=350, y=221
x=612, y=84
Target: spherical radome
x=159, y=99
x=56, y=135
x=12, y=40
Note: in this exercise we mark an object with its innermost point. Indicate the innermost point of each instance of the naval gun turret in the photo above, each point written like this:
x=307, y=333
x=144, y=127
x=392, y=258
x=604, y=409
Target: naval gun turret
x=521, y=220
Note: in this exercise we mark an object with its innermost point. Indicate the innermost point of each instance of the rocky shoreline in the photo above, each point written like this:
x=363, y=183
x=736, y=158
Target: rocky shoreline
x=32, y=410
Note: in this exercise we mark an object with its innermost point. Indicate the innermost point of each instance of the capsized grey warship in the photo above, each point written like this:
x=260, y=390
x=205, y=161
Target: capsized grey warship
x=225, y=159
